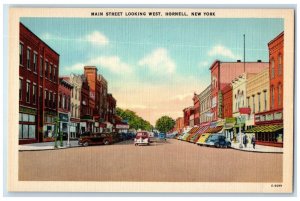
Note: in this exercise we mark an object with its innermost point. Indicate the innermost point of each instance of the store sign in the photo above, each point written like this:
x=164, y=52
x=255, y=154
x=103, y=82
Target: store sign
x=122, y=126
x=63, y=117
x=27, y=110
x=245, y=110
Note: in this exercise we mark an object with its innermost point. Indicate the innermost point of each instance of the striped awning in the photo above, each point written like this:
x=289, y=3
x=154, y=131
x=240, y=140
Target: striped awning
x=202, y=129
x=264, y=129
x=214, y=130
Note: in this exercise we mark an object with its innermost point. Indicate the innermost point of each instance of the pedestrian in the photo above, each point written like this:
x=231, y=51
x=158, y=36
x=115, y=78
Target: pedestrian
x=253, y=141
x=245, y=141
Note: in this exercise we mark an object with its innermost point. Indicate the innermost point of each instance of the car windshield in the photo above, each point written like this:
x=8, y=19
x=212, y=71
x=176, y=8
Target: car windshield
x=141, y=134
x=213, y=137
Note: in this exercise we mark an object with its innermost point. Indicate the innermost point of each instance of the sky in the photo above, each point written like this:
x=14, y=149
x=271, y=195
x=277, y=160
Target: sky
x=154, y=66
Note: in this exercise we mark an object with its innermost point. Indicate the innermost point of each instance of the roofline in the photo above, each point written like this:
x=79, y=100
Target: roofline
x=213, y=64
x=39, y=38
x=274, y=39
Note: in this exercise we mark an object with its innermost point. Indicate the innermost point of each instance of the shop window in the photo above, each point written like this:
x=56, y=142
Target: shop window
x=21, y=53
x=27, y=127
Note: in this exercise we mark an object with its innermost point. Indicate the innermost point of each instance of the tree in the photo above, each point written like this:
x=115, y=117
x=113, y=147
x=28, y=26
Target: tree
x=164, y=124
x=134, y=120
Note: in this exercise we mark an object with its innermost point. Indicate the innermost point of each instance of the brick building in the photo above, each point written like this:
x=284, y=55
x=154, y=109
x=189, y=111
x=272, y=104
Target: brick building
x=179, y=125
x=86, y=111
x=227, y=101
x=188, y=116
x=205, y=105
x=64, y=105
x=38, y=88
x=111, y=109
x=196, y=100
x=222, y=73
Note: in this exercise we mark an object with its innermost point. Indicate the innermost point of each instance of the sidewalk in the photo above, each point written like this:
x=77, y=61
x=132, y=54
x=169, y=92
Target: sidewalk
x=46, y=146
x=258, y=148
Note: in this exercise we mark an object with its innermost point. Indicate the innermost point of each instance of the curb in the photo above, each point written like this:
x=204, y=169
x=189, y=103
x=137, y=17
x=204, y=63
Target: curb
x=50, y=149
x=272, y=152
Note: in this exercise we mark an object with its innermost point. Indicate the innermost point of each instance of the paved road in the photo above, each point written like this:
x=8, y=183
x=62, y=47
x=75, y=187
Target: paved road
x=173, y=161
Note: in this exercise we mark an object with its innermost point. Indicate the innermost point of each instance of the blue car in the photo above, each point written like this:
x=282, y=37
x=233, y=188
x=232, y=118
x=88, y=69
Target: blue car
x=162, y=136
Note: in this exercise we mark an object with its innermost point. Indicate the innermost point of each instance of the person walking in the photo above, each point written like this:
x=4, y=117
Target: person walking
x=253, y=141
x=245, y=141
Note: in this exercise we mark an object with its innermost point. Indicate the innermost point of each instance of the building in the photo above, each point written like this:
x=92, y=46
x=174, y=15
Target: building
x=188, y=116
x=38, y=88
x=196, y=100
x=222, y=73
x=103, y=97
x=258, y=94
x=86, y=111
x=205, y=105
x=111, y=109
x=268, y=127
x=76, y=81
x=227, y=101
x=64, y=105
x=179, y=124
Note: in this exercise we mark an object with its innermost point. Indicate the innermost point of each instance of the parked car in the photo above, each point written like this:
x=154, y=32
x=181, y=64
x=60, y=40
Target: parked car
x=202, y=139
x=217, y=140
x=162, y=136
x=89, y=138
x=141, y=138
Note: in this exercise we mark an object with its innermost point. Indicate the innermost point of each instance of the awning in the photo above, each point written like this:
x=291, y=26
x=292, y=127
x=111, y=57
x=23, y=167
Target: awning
x=238, y=125
x=193, y=130
x=214, y=130
x=264, y=129
x=202, y=129
x=228, y=126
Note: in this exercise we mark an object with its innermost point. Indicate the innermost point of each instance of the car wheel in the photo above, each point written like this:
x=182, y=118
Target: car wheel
x=217, y=145
x=85, y=144
x=106, y=142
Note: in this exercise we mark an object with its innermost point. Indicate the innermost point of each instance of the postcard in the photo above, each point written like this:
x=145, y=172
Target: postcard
x=151, y=100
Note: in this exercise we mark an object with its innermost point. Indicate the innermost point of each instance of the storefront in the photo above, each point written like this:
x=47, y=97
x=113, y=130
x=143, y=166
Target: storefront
x=64, y=123
x=229, y=127
x=86, y=124
x=27, y=125
x=74, y=128
x=49, y=126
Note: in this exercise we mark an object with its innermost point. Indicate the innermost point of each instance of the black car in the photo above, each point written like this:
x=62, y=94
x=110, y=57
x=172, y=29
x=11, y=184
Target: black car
x=217, y=140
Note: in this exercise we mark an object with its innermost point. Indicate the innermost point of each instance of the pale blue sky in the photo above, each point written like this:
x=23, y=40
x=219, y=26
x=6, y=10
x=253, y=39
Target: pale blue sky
x=149, y=53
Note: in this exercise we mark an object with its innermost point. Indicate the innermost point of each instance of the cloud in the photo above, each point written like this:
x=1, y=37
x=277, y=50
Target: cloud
x=203, y=64
x=97, y=38
x=158, y=61
x=112, y=64
x=182, y=96
x=220, y=50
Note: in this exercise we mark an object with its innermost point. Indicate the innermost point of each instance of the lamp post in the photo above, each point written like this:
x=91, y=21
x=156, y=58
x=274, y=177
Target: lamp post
x=68, y=142
x=56, y=131
x=240, y=132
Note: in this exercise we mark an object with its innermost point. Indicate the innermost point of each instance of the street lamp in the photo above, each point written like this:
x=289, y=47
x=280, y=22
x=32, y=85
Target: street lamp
x=68, y=142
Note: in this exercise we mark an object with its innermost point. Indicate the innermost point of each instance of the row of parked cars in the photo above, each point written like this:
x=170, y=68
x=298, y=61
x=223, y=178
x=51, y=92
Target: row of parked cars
x=89, y=138
x=205, y=139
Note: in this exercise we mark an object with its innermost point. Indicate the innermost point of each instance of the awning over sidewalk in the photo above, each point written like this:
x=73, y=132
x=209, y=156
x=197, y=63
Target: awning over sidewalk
x=214, y=130
x=264, y=129
x=229, y=123
x=202, y=129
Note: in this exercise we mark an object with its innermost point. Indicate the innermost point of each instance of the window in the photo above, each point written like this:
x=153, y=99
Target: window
x=272, y=68
x=45, y=98
x=34, y=94
x=50, y=71
x=54, y=74
x=265, y=100
x=72, y=110
x=60, y=101
x=258, y=99
x=46, y=69
x=75, y=92
x=34, y=62
x=63, y=101
x=41, y=67
x=279, y=94
x=49, y=98
x=279, y=64
x=28, y=59
x=41, y=95
x=20, y=89
x=75, y=110
x=28, y=92
x=27, y=127
x=248, y=101
x=54, y=99
x=253, y=104
x=272, y=96
x=21, y=48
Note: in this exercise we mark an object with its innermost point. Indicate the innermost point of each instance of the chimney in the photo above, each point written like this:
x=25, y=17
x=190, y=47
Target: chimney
x=259, y=61
x=238, y=60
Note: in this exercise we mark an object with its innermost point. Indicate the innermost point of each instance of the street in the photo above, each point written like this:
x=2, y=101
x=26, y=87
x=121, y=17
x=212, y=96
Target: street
x=173, y=161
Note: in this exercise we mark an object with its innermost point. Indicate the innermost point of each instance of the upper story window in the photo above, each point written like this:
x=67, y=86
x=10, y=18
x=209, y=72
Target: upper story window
x=272, y=68
x=279, y=94
x=50, y=72
x=279, y=64
x=41, y=66
x=46, y=69
x=21, y=53
x=34, y=62
x=265, y=100
x=34, y=93
x=28, y=92
x=20, y=88
x=272, y=96
x=28, y=58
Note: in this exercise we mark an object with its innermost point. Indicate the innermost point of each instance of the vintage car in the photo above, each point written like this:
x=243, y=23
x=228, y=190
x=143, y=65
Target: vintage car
x=217, y=140
x=141, y=138
x=89, y=138
x=202, y=139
